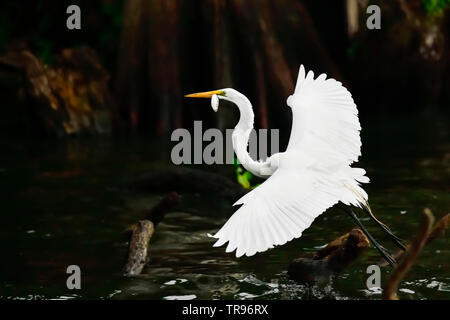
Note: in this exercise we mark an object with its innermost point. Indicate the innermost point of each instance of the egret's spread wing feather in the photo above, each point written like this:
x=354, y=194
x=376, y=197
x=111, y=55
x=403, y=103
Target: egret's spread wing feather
x=278, y=211
x=325, y=121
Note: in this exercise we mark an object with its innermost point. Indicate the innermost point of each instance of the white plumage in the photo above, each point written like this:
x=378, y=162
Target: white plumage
x=312, y=175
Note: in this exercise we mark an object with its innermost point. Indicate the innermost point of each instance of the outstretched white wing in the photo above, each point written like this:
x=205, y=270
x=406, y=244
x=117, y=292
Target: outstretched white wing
x=325, y=121
x=313, y=173
x=277, y=211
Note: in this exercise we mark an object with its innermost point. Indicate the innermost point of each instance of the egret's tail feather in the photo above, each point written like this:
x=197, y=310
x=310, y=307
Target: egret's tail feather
x=359, y=175
x=354, y=194
x=360, y=196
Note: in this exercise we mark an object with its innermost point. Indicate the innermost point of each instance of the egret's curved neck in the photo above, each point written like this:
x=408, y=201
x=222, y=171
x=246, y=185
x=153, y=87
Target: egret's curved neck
x=247, y=116
x=242, y=131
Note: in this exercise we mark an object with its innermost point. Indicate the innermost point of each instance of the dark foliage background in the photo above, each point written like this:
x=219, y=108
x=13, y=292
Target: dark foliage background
x=153, y=52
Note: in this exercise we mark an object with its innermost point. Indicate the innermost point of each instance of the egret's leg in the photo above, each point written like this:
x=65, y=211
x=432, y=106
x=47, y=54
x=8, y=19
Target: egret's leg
x=394, y=238
x=383, y=251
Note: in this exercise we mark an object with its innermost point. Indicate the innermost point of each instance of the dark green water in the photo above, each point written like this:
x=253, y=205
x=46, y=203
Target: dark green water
x=61, y=205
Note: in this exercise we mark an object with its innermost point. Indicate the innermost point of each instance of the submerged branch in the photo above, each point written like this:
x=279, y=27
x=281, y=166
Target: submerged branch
x=411, y=255
x=438, y=230
x=142, y=233
x=138, y=253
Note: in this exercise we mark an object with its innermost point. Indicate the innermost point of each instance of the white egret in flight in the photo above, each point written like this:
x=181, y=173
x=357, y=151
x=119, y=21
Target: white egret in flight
x=312, y=175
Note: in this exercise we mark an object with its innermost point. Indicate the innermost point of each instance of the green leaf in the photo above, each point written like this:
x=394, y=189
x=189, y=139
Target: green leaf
x=436, y=7
x=242, y=179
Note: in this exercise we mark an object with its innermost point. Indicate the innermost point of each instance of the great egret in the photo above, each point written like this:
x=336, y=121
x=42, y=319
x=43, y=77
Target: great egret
x=312, y=175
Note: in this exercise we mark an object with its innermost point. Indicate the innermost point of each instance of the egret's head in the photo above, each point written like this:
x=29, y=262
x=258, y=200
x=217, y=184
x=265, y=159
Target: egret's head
x=214, y=95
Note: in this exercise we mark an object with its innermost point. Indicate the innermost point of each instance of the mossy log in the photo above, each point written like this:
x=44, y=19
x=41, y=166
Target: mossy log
x=332, y=259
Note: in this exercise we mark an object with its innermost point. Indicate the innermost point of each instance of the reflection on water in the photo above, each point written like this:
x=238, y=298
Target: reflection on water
x=63, y=205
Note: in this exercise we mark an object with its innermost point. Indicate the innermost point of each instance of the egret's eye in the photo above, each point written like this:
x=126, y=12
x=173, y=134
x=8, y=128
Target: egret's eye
x=215, y=102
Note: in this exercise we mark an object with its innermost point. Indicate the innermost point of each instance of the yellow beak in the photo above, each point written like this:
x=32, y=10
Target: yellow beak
x=207, y=94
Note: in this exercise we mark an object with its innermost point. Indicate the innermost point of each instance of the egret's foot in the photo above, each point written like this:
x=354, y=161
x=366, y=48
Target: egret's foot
x=398, y=241
x=386, y=255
